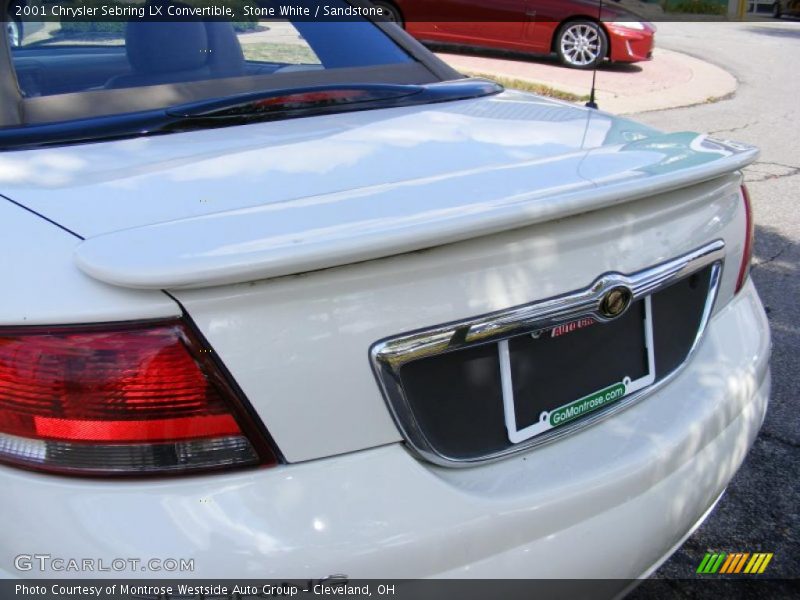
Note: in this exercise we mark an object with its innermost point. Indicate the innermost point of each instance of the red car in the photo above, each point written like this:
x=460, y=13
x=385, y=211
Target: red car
x=570, y=28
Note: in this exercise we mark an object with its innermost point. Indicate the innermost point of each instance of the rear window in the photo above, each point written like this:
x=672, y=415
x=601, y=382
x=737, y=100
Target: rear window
x=71, y=70
x=62, y=58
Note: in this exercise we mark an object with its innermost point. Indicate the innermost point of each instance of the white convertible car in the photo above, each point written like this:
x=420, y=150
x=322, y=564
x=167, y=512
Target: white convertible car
x=303, y=301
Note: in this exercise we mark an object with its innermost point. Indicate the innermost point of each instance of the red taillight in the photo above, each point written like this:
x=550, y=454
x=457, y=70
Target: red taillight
x=132, y=399
x=747, y=253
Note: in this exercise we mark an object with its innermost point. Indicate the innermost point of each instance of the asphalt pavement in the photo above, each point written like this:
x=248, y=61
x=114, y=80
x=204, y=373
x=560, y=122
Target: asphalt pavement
x=761, y=509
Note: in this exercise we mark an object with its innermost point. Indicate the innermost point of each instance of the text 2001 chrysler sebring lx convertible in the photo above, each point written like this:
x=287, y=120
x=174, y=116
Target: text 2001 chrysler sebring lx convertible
x=393, y=322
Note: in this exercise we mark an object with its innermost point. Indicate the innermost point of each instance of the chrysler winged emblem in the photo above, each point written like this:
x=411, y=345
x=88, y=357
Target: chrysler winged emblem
x=615, y=302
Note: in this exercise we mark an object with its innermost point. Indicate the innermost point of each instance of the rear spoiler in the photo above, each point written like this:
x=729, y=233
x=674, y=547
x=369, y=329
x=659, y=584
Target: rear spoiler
x=331, y=230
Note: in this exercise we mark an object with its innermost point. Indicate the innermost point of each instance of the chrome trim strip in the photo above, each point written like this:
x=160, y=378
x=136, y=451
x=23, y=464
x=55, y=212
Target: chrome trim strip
x=389, y=355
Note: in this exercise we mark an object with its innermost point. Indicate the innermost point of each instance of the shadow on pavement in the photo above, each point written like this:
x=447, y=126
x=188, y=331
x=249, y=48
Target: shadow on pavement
x=761, y=510
x=782, y=32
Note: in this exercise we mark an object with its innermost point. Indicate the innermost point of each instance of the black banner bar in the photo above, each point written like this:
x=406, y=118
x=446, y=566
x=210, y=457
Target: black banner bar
x=339, y=587
x=410, y=11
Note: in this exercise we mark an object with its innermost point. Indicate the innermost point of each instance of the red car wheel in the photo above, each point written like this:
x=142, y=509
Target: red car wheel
x=581, y=44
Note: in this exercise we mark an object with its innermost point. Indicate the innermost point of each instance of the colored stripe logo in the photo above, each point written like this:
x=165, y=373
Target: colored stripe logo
x=734, y=563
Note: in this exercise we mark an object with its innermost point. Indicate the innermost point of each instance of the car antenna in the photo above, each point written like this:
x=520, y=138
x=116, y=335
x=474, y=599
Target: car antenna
x=591, y=103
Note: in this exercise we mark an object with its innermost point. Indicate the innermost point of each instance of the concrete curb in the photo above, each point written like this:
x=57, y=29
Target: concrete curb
x=671, y=80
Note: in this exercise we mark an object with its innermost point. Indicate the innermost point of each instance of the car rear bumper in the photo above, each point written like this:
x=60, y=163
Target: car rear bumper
x=608, y=502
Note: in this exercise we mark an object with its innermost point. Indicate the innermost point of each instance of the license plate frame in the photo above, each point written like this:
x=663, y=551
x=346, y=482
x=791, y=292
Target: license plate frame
x=583, y=406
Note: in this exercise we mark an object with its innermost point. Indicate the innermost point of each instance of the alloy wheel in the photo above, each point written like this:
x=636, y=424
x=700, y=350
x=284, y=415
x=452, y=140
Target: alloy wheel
x=581, y=44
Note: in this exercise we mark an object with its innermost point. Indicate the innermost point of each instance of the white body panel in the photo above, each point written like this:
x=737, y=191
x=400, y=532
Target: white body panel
x=614, y=498
x=94, y=189
x=42, y=286
x=298, y=346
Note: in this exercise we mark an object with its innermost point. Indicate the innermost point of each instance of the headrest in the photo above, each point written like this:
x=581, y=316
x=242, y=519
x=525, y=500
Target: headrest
x=166, y=46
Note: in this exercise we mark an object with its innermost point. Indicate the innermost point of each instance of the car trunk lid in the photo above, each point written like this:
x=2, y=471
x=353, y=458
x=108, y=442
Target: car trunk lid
x=507, y=200
x=246, y=203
